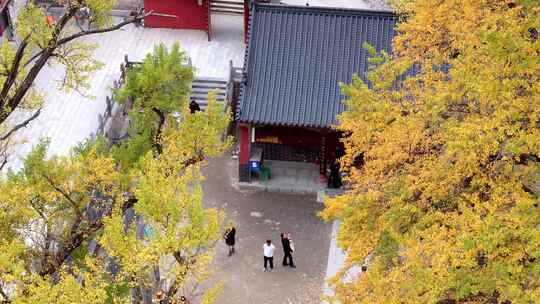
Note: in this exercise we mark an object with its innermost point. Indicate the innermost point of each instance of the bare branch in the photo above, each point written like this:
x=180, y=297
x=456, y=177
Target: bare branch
x=20, y=92
x=104, y=30
x=21, y=125
x=43, y=56
x=63, y=193
x=37, y=209
x=3, y=164
x=4, y=295
x=13, y=71
x=33, y=58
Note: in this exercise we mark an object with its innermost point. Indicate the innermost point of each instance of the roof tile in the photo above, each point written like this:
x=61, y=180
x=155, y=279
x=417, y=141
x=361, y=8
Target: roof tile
x=297, y=56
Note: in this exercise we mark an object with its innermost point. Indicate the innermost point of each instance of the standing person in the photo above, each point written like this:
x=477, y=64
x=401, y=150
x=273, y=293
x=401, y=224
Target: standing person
x=289, y=252
x=286, y=250
x=268, y=251
x=194, y=106
x=230, y=237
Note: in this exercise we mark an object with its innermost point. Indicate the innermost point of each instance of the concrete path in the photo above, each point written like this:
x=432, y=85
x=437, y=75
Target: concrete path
x=260, y=216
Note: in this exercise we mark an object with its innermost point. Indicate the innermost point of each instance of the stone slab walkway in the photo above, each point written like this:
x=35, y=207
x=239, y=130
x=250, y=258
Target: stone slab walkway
x=69, y=117
x=289, y=177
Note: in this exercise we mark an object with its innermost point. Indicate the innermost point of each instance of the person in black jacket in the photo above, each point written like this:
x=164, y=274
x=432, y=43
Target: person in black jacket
x=287, y=251
x=230, y=238
x=194, y=106
x=334, y=180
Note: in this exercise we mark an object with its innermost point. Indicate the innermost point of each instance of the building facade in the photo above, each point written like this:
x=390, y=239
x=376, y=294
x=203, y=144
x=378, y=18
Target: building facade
x=296, y=59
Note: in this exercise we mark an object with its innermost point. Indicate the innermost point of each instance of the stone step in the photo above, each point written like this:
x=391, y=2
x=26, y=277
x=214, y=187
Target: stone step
x=210, y=79
x=201, y=86
x=219, y=91
x=210, y=85
x=201, y=96
x=227, y=7
x=227, y=11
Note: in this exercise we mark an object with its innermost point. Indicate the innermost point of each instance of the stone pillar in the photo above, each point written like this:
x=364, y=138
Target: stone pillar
x=243, y=155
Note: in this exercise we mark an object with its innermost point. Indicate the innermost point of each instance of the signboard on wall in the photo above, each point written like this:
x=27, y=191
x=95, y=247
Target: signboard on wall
x=268, y=140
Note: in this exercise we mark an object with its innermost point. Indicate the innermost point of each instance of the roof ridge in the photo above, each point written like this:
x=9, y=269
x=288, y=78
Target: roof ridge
x=322, y=9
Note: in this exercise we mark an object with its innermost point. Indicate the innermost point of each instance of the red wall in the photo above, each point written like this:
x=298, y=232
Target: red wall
x=190, y=14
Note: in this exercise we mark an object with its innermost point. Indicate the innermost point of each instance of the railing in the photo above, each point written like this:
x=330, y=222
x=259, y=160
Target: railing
x=235, y=76
x=230, y=87
x=116, y=114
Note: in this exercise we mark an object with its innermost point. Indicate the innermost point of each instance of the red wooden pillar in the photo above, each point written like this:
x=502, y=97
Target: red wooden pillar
x=243, y=155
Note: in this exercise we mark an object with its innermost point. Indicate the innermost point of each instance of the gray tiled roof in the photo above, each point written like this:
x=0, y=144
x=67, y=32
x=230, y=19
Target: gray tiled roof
x=297, y=56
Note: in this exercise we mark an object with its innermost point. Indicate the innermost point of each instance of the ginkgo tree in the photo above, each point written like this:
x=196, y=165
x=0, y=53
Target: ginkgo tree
x=446, y=204
x=43, y=40
x=65, y=231
x=157, y=87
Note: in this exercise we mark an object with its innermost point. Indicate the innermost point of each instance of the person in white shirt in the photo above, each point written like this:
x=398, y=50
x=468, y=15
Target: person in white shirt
x=268, y=251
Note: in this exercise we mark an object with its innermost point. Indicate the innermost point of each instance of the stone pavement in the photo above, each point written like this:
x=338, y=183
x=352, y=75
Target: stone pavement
x=259, y=216
x=69, y=117
x=295, y=177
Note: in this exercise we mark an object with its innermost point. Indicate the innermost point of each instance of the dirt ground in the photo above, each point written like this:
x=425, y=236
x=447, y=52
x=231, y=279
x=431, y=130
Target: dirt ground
x=260, y=216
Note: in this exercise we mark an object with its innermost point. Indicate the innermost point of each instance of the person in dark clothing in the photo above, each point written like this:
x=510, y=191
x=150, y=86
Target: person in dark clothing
x=284, y=245
x=334, y=180
x=287, y=251
x=230, y=237
x=194, y=106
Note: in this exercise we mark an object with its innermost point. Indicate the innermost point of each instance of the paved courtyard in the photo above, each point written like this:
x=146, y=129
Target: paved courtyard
x=292, y=177
x=68, y=118
x=260, y=216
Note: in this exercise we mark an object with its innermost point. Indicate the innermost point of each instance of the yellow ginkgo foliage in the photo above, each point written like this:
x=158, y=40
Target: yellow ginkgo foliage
x=93, y=227
x=446, y=201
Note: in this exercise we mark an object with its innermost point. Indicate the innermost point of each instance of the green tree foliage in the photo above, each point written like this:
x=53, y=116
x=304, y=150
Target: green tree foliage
x=447, y=201
x=157, y=88
x=55, y=207
x=42, y=41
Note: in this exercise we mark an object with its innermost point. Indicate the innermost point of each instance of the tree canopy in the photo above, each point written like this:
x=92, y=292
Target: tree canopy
x=157, y=88
x=83, y=229
x=39, y=41
x=446, y=203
